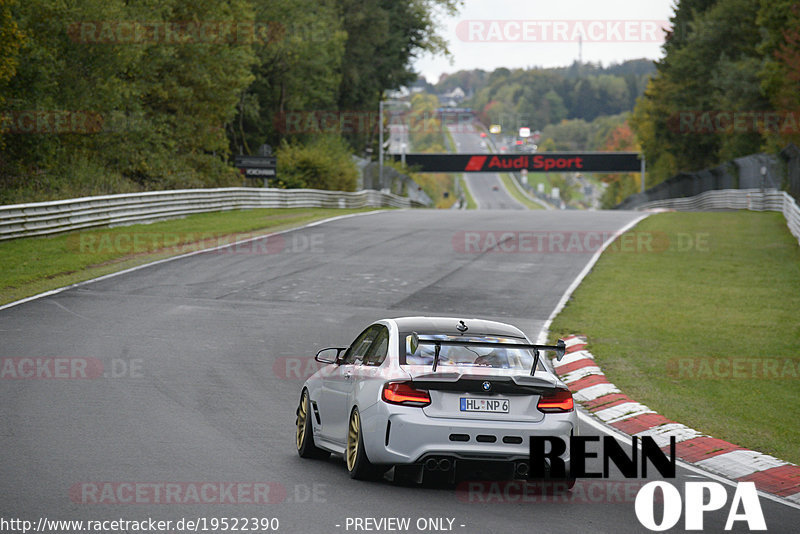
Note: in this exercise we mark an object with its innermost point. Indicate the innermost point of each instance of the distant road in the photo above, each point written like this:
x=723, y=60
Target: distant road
x=482, y=185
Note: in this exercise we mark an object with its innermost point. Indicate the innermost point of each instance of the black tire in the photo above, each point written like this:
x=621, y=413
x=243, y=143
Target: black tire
x=304, y=438
x=355, y=455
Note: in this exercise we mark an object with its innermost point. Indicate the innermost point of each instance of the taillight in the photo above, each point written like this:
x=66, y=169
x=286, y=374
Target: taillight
x=558, y=401
x=403, y=393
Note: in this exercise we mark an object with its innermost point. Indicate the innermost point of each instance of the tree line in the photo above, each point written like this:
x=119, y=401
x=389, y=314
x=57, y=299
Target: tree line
x=727, y=86
x=538, y=97
x=107, y=96
x=583, y=107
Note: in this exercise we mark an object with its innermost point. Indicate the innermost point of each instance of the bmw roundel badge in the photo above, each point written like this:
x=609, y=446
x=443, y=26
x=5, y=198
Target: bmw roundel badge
x=486, y=386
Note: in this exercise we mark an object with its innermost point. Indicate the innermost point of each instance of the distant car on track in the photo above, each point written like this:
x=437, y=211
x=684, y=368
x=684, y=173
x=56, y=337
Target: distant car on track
x=433, y=397
x=495, y=188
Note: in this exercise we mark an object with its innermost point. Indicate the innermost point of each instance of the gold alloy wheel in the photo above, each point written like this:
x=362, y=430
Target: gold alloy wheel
x=353, y=435
x=302, y=416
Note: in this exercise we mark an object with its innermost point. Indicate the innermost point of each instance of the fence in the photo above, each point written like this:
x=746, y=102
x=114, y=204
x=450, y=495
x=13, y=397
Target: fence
x=761, y=171
x=756, y=171
x=736, y=199
x=42, y=218
x=393, y=182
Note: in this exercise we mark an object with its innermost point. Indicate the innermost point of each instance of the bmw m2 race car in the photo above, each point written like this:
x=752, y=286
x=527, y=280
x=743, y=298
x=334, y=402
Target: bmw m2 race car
x=434, y=396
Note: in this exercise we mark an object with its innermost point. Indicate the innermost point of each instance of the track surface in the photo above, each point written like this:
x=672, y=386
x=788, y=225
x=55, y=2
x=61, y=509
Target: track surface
x=210, y=403
x=482, y=184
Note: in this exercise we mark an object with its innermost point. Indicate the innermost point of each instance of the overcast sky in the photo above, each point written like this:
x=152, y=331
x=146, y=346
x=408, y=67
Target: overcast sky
x=487, y=34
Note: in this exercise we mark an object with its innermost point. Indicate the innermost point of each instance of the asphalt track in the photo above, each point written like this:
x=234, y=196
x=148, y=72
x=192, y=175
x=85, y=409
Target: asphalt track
x=211, y=337
x=482, y=184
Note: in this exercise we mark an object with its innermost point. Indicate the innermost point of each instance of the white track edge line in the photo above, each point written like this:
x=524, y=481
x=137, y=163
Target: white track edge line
x=186, y=255
x=578, y=279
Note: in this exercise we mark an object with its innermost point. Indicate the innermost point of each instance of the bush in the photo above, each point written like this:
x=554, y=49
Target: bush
x=325, y=163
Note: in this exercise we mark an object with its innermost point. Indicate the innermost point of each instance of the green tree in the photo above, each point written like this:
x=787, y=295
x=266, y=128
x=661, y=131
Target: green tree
x=780, y=74
x=383, y=37
x=298, y=69
x=161, y=105
x=704, y=70
x=11, y=39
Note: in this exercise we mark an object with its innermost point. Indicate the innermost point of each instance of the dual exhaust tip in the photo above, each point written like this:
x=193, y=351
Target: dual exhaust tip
x=438, y=464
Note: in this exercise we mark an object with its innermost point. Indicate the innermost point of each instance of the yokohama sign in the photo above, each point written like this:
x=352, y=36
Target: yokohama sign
x=545, y=162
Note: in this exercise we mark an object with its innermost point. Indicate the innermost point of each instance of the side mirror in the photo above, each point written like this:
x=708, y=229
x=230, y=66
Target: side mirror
x=329, y=355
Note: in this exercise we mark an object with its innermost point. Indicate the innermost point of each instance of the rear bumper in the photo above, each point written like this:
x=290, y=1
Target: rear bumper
x=405, y=435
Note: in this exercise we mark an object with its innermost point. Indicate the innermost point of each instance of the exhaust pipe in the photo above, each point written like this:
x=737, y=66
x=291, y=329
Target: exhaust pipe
x=445, y=465
x=431, y=464
x=522, y=469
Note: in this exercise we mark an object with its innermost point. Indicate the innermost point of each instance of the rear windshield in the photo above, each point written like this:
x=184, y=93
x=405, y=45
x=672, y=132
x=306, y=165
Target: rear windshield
x=466, y=356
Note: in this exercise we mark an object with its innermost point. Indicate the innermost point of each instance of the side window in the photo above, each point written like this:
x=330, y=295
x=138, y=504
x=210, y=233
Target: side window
x=359, y=348
x=380, y=347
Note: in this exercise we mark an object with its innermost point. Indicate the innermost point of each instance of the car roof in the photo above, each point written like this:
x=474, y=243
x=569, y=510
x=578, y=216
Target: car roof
x=449, y=325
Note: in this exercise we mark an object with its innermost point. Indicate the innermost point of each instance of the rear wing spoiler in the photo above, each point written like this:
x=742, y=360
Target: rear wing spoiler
x=559, y=348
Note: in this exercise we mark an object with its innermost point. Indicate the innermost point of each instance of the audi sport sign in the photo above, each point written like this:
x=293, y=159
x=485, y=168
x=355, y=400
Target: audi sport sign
x=545, y=162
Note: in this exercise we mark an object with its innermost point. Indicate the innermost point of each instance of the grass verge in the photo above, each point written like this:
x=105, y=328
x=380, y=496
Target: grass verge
x=702, y=326
x=436, y=185
x=471, y=204
x=514, y=191
x=32, y=265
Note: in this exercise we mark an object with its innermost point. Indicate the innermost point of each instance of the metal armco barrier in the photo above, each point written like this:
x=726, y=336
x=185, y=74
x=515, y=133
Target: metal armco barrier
x=736, y=199
x=42, y=218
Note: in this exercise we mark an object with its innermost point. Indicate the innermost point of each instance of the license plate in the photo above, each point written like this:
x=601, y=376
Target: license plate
x=484, y=405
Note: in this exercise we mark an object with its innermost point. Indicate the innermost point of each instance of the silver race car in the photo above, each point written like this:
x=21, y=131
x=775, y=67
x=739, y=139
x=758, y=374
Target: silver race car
x=434, y=396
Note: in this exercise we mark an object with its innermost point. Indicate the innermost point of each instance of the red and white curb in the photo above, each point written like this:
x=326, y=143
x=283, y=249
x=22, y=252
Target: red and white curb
x=607, y=403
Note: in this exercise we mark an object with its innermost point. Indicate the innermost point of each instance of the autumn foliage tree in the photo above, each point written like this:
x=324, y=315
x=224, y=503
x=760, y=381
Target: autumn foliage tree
x=722, y=57
x=174, y=88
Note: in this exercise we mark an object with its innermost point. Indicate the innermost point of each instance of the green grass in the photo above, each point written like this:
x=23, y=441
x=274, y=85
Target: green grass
x=32, y=265
x=736, y=294
x=512, y=189
x=471, y=204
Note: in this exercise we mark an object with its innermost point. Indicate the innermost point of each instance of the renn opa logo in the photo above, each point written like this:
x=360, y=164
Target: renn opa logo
x=547, y=464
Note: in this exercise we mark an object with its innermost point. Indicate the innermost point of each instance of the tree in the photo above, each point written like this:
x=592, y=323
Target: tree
x=703, y=70
x=383, y=36
x=297, y=70
x=11, y=38
x=780, y=74
x=157, y=106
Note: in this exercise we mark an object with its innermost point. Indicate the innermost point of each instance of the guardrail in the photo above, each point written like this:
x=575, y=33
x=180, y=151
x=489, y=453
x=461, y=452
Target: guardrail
x=42, y=218
x=736, y=199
